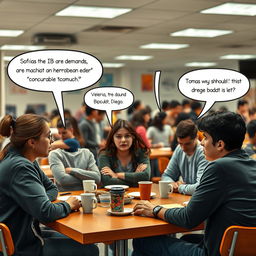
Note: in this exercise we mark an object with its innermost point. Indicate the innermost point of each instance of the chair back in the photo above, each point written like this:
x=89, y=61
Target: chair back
x=162, y=164
x=238, y=241
x=6, y=245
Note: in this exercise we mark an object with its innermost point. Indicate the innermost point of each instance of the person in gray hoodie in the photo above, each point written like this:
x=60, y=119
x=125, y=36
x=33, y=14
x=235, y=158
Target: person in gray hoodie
x=69, y=163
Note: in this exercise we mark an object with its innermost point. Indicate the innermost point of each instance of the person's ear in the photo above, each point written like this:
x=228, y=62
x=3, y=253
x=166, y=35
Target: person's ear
x=31, y=143
x=220, y=145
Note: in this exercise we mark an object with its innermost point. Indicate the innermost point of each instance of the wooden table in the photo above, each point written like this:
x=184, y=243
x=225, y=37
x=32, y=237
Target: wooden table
x=102, y=227
x=160, y=152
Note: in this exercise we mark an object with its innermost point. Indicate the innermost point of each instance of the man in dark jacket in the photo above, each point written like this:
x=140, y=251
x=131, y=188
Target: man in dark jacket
x=224, y=197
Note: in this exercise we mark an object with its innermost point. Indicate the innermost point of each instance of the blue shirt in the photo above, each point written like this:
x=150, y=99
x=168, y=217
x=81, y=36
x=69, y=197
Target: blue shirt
x=190, y=168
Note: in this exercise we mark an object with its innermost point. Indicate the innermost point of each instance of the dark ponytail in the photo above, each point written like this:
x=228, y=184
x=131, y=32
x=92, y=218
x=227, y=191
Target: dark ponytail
x=24, y=128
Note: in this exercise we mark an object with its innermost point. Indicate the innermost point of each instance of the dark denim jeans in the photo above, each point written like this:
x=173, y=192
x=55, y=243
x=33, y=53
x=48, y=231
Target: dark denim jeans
x=58, y=244
x=165, y=246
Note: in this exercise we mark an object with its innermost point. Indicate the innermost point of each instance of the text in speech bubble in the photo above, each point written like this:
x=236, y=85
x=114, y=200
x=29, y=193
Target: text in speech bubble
x=213, y=85
x=55, y=71
x=109, y=99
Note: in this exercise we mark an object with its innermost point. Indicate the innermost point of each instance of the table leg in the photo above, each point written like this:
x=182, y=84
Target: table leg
x=121, y=248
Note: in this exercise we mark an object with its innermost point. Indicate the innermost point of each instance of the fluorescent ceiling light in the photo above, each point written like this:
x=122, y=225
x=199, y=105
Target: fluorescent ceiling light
x=93, y=12
x=10, y=33
x=133, y=57
x=200, y=64
x=232, y=9
x=21, y=47
x=164, y=46
x=113, y=65
x=8, y=58
x=193, y=32
x=238, y=56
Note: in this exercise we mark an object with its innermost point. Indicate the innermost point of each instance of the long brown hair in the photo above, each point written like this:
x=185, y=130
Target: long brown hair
x=24, y=128
x=137, y=142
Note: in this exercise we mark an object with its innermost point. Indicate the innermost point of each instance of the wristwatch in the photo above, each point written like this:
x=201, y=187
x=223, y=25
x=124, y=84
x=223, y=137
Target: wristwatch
x=156, y=210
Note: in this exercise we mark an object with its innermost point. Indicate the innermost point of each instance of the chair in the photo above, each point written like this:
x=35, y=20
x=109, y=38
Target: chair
x=6, y=246
x=162, y=164
x=238, y=241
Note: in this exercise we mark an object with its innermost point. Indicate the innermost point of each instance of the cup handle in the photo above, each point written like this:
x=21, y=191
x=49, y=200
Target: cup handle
x=171, y=188
x=95, y=186
x=95, y=203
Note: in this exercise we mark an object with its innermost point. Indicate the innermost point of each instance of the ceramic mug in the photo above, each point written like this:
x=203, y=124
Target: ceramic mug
x=89, y=202
x=165, y=188
x=89, y=186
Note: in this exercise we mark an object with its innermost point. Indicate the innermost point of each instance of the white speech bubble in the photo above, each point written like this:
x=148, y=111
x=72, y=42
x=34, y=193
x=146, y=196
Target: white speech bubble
x=55, y=71
x=109, y=99
x=213, y=85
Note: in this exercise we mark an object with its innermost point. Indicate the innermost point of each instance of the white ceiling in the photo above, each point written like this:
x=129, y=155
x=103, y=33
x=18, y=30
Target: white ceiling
x=155, y=20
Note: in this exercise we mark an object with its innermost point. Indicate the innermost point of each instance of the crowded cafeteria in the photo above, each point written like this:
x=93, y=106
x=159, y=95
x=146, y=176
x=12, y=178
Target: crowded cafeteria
x=127, y=128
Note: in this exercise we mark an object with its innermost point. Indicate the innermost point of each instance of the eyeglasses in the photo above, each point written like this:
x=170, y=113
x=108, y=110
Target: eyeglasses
x=126, y=137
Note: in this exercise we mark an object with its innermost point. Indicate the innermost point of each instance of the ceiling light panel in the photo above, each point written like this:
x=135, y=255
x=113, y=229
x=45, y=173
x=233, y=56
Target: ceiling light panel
x=238, y=56
x=113, y=65
x=193, y=32
x=21, y=47
x=10, y=33
x=164, y=46
x=200, y=64
x=92, y=12
x=133, y=57
x=232, y=9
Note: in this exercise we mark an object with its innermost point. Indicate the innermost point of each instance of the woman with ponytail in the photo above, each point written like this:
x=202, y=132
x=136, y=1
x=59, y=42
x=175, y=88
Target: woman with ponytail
x=26, y=192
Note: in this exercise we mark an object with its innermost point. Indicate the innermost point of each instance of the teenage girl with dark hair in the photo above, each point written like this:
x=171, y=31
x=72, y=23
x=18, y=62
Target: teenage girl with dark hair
x=26, y=192
x=125, y=157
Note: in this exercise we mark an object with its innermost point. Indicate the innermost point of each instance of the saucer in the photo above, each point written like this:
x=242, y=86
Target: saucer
x=137, y=194
x=126, y=211
x=116, y=186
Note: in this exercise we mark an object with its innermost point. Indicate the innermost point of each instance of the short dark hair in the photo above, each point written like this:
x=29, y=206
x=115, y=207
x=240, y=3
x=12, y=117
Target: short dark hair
x=67, y=122
x=195, y=105
x=186, y=128
x=165, y=104
x=174, y=104
x=136, y=104
x=251, y=128
x=242, y=103
x=185, y=102
x=89, y=110
x=227, y=126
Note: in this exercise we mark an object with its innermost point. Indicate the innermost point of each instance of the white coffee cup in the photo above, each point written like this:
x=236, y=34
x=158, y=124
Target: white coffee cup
x=165, y=188
x=89, y=202
x=89, y=185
